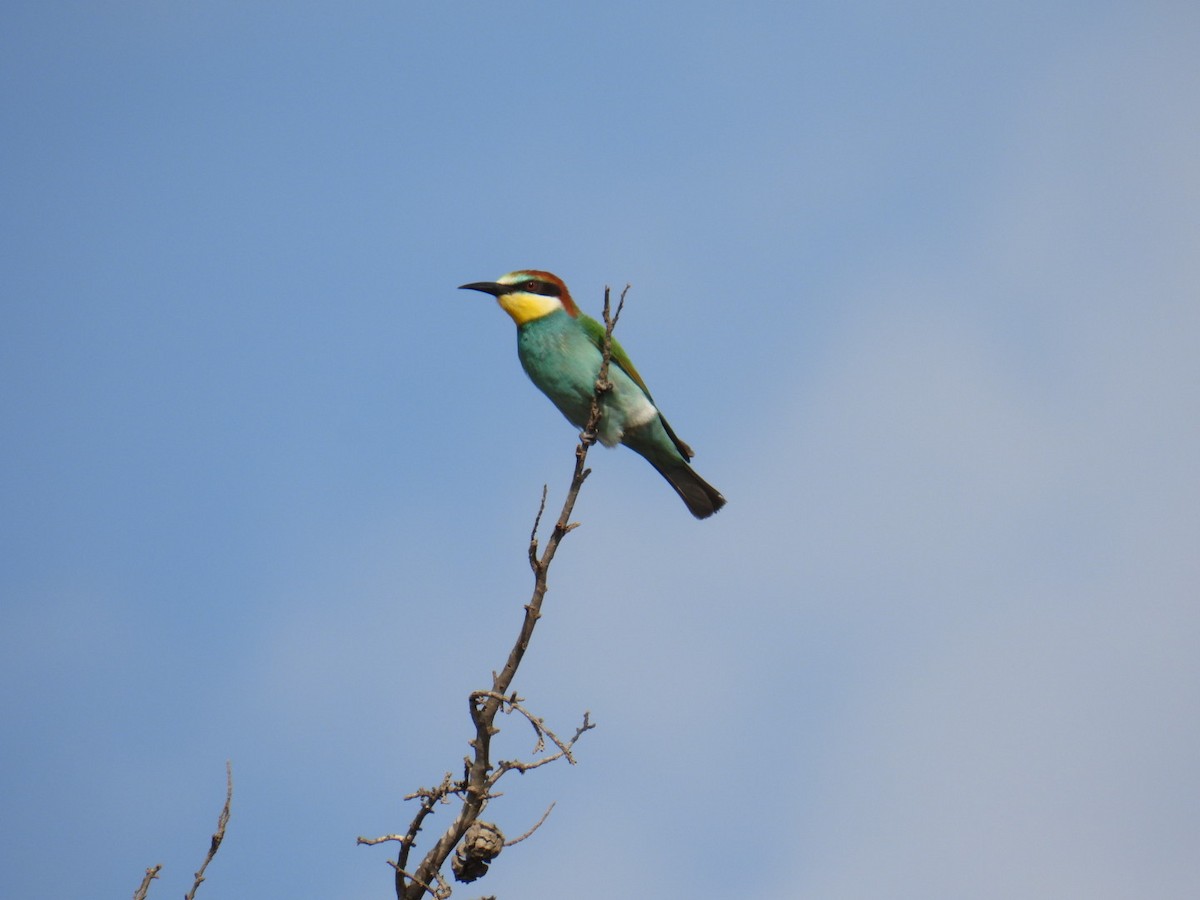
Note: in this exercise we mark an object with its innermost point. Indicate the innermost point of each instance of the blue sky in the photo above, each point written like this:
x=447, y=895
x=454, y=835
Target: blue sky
x=918, y=282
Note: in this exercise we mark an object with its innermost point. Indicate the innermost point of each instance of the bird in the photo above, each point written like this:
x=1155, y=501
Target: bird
x=561, y=350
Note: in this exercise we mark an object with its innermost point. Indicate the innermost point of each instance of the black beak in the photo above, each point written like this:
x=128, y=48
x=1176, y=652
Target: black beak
x=488, y=287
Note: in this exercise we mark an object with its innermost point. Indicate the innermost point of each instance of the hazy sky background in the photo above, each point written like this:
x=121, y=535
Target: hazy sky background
x=919, y=282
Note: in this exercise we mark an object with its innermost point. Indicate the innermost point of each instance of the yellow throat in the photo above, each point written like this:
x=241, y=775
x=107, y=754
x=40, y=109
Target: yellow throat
x=525, y=307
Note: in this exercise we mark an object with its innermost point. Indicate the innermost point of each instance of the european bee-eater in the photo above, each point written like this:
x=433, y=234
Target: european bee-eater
x=561, y=351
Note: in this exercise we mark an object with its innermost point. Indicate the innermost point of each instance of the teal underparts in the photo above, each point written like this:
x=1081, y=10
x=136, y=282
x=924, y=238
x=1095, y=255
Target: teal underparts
x=560, y=358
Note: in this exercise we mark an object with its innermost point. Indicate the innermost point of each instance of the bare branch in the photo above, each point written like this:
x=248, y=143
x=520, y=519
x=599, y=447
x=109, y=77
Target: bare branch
x=151, y=874
x=430, y=797
x=533, y=541
x=538, y=825
x=480, y=774
x=440, y=892
x=512, y=704
x=218, y=835
x=399, y=838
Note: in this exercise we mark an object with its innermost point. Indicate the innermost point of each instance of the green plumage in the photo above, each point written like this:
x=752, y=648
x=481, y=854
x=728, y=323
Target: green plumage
x=562, y=353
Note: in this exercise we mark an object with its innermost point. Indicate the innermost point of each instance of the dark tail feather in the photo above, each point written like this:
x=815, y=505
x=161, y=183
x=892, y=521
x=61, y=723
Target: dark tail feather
x=702, y=498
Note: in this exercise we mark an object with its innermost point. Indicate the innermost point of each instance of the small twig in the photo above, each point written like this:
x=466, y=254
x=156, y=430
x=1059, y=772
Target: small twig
x=518, y=840
x=587, y=725
x=437, y=793
x=399, y=838
x=512, y=704
x=533, y=541
x=430, y=797
x=442, y=890
x=218, y=835
x=151, y=874
x=603, y=385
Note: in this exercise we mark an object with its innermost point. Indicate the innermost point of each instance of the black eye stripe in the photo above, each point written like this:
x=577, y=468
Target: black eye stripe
x=540, y=287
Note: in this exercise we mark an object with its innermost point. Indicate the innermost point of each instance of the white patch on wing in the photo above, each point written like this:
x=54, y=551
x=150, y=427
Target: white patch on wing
x=612, y=427
x=641, y=414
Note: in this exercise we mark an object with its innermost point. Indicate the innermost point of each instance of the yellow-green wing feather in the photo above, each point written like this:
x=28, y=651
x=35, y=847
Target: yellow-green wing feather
x=595, y=331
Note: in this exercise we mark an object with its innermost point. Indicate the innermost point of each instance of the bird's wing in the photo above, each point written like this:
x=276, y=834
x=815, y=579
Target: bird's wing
x=595, y=332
